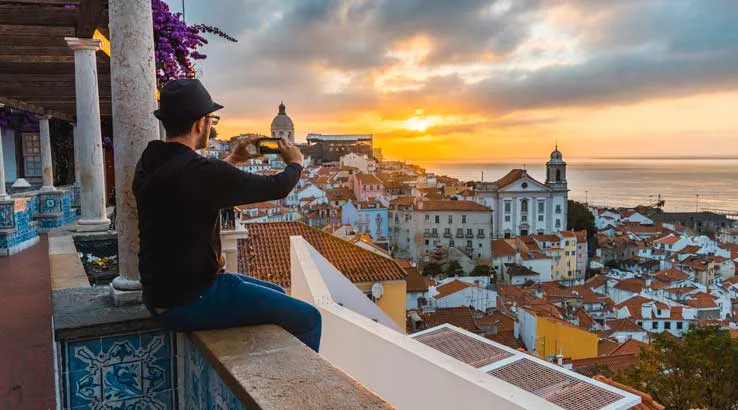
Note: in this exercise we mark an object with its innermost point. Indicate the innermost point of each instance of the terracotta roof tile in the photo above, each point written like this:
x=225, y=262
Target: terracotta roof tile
x=623, y=325
x=415, y=282
x=631, y=285
x=506, y=338
x=502, y=321
x=269, y=254
x=669, y=275
x=513, y=269
x=451, y=287
x=606, y=346
x=585, y=320
x=458, y=316
x=592, y=366
x=501, y=247
x=366, y=179
x=596, y=281
x=630, y=346
x=451, y=205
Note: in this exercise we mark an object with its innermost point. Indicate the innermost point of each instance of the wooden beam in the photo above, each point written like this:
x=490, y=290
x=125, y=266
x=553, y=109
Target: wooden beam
x=40, y=16
x=35, y=31
x=36, y=59
x=33, y=41
x=12, y=50
x=36, y=109
x=91, y=14
x=33, y=68
x=60, y=2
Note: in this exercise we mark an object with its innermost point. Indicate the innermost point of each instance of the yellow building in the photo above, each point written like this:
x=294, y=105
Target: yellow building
x=265, y=254
x=568, y=261
x=547, y=337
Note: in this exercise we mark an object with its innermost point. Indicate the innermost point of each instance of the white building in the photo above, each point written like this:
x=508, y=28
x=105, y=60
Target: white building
x=361, y=162
x=523, y=206
x=417, y=228
x=458, y=293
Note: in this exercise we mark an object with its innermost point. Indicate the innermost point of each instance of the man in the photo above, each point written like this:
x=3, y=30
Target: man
x=179, y=195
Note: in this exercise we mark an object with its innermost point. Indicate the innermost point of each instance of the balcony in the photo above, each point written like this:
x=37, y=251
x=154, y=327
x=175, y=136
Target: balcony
x=480, y=235
x=470, y=235
x=459, y=234
x=447, y=235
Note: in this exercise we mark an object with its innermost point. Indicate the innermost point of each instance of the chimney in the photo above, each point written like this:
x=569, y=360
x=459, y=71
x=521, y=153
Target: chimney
x=516, y=329
x=560, y=359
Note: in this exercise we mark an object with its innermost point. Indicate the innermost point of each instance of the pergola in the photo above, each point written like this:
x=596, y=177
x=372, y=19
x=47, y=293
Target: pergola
x=37, y=65
x=56, y=61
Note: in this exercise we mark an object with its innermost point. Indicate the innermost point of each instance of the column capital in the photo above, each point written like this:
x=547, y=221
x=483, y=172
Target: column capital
x=43, y=116
x=76, y=43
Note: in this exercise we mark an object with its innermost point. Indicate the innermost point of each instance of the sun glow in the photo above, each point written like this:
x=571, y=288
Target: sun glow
x=419, y=124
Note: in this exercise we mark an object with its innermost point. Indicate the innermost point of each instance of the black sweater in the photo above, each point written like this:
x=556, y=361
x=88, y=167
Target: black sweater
x=179, y=195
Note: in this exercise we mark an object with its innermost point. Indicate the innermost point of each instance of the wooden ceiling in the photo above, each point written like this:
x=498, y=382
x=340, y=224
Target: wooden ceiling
x=36, y=65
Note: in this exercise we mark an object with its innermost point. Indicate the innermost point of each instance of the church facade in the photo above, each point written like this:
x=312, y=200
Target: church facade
x=522, y=205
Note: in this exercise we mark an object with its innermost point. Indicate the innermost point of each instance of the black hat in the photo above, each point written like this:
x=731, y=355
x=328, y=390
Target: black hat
x=185, y=98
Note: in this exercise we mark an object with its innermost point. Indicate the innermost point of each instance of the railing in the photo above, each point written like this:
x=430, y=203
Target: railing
x=447, y=235
x=459, y=234
x=469, y=235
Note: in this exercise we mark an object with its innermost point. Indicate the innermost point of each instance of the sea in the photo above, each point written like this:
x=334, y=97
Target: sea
x=685, y=185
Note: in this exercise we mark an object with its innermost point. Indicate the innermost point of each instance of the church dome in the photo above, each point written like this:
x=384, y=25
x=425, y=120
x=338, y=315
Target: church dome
x=282, y=121
x=556, y=154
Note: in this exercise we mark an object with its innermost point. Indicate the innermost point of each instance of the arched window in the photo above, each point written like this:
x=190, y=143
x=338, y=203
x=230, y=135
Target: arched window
x=524, y=205
x=558, y=175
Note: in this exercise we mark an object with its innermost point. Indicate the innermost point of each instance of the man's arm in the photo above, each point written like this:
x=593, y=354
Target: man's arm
x=231, y=186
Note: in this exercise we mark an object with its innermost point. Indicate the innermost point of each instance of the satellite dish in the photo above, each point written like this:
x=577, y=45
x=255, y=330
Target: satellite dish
x=377, y=291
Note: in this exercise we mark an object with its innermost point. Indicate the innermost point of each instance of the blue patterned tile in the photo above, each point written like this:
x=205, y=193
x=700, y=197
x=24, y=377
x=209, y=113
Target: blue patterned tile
x=81, y=353
x=121, y=372
x=7, y=215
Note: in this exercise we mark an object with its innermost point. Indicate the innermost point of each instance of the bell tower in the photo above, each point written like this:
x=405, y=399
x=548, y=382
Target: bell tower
x=556, y=171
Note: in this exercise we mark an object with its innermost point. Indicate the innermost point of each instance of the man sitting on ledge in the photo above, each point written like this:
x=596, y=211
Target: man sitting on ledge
x=179, y=195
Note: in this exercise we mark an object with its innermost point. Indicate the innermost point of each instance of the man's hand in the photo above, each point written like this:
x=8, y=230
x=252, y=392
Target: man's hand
x=244, y=151
x=290, y=153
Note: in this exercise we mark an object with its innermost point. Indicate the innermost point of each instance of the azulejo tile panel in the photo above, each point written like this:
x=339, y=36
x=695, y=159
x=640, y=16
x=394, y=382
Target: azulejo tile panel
x=203, y=387
x=50, y=203
x=7, y=215
x=132, y=371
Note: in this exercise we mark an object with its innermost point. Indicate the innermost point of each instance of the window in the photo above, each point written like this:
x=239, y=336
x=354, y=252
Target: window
x=450, y=219
x=524, y=205
x=435, y=231
x=507, y=235
x=508, y=206
x=426, y=242
x=679, y=325
x=438, y=219
x=523, y=218
x=558, y=208
x=460, y=232
x=469, y=232
x=540, y=218
x=480, y=244
x=540, y=207
x=655, y=325
x=640, y=323
x=447, y=231
x=427, y=217
x=558, y=223
x=507, y=218
x=451, y=243
x=480, y=232
x=667, y=325
x=463, y=219
x=469, y=244
x=32, y=155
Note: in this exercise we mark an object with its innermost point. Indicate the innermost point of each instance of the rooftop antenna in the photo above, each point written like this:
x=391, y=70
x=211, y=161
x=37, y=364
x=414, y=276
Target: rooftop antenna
x=183, y=11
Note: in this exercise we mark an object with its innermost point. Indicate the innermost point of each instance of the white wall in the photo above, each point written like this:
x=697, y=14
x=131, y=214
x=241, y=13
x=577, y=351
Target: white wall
x=527, y=326
x=478, y=298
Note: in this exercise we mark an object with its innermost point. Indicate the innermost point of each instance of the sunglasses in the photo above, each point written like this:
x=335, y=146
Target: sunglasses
x=214, y=119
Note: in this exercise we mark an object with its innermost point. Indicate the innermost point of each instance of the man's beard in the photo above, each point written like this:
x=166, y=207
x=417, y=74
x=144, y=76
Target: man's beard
x=202, y=142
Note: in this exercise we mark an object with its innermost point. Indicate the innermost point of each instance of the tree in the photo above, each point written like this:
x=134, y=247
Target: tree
x=454, y=269
x=698, y=371
x=431, y=269
x=481, y=270
x=580, y=218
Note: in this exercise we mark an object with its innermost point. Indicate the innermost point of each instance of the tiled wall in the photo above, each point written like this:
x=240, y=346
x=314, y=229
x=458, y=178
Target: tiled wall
x=203, y=387
x=16, y=219
x=121, y=372
x=59, y=204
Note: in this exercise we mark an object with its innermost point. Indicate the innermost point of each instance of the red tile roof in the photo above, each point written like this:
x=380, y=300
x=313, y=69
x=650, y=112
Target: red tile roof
x=623, y=325
x=339, y=194
x=267, y=254
x=592, y=366
x=647, y=402
x=596, y=281
x=513, y=176
x=366, y=179
x=501, y=247
x=606, y=346
x=506, y=338
x=585, y=320
x=415, y=282
x=451, y=205
x=451, y=287
x=630, y=346
x=669, y=275
x=631, y=285
x=458, y=316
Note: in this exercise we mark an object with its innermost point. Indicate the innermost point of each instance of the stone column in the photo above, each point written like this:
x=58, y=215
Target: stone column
x=46, y=163
x=88, y=134
x=3, y=192
x=75, y=139
x=134, y=125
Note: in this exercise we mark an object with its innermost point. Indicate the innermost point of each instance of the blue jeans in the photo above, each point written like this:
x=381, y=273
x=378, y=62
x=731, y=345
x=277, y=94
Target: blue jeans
x=239, y=300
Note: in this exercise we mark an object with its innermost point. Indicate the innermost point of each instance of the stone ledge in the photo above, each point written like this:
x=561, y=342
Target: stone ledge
x=66, y=268
x=267, y=368
x=89, y=312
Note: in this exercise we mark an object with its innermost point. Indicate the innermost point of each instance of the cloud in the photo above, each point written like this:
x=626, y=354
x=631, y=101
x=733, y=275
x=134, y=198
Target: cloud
x=333, y=57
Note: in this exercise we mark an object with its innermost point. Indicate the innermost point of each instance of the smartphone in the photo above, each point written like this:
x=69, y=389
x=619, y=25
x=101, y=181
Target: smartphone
x=269, y=146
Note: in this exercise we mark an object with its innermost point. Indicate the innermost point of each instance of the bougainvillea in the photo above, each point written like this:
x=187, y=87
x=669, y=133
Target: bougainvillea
x=176, y=44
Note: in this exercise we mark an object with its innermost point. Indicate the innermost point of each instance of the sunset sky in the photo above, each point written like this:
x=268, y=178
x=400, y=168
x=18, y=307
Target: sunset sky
x=464, y=80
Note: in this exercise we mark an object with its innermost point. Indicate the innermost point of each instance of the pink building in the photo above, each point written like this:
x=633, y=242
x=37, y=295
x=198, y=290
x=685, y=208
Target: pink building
x=366, y=187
